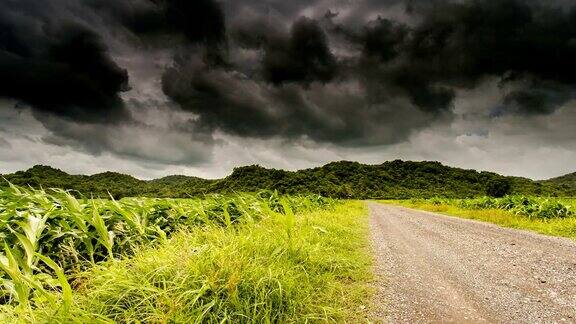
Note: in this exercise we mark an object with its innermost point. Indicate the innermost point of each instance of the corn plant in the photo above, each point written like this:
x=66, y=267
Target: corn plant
x=541, y=208
x=50, y=236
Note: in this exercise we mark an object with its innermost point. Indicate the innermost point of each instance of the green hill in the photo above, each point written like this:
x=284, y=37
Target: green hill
x=393, y=179
x=566, y=183
x=46, y=177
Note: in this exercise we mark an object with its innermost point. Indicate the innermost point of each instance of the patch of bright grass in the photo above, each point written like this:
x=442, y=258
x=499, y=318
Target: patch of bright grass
x=569, y=201
x=564, y=227
x=313, y=266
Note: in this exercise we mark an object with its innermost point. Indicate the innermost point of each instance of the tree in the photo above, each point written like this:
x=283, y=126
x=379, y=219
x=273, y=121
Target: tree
x=499, y=187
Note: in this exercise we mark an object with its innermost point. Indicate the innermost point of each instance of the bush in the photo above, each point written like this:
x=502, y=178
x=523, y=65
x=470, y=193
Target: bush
x=499, y=188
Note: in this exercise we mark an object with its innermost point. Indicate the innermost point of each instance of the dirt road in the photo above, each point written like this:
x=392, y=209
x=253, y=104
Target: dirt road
x=435, y=268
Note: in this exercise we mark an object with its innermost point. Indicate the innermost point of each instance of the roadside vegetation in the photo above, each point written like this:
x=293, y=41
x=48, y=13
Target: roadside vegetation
x=222, y=258
x=551, y=216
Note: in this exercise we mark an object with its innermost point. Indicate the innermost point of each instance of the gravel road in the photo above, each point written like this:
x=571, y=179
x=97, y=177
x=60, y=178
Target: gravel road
x=436, y=268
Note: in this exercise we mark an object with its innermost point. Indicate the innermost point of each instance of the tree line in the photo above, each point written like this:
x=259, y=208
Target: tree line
x=389, y=180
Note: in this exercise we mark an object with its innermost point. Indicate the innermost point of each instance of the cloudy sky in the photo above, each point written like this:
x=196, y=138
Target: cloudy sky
x=197, y=87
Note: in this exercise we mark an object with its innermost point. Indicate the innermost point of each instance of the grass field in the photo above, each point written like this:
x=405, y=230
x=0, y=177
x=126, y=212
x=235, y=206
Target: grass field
x=235, y=258
x=568, y=201
x=553, y=216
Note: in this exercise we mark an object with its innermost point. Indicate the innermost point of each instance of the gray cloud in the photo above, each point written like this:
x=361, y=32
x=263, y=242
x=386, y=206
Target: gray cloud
x=449, y=46
x=57, y=64
x=337, y=112
x=4, y=143
x=172, y=143
x=165, y=81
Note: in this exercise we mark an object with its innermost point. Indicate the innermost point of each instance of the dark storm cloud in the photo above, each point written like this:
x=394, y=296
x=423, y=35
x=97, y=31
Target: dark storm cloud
x=58, y=67
x=350, y=73
x=538, y=98
x=337, y=112
x=382, y=39
x=304, y=57
x=229, y=101
x=394, y=65
x=198, y=21
x=53, y=56
x=459, y=43
x=456, y=45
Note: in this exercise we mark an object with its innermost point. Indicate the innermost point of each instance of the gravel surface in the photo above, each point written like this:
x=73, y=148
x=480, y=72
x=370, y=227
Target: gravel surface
x=436, y=268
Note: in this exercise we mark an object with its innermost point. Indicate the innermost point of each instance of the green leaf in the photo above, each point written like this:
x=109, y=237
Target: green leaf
x=66, y=289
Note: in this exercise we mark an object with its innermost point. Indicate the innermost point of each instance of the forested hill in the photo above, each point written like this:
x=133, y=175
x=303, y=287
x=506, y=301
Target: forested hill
x=565, y=182
x=394, y=179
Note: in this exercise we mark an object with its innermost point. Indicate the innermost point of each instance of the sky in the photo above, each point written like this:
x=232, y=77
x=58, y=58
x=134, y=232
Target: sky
x=197, y=87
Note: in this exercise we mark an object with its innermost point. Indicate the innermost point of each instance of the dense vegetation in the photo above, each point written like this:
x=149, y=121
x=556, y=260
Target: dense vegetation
x=389, y=180
x=220, y=258
x=551, y=216
x=566, y=183
x=543, y=208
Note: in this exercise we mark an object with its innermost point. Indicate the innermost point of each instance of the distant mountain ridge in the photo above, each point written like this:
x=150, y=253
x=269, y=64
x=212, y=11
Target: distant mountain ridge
x=392, y=179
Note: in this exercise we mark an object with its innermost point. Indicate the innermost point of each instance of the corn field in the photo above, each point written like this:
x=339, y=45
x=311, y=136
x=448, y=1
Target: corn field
x=49, y=237
x=532, y=207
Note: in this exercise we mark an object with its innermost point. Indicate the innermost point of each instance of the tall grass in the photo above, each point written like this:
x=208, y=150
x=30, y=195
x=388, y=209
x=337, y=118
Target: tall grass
x=234, y=258
x=532, y=207
x=548, y=216
x=299, y=267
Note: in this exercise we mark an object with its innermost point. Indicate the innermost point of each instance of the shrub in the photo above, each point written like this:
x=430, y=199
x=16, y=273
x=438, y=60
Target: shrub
x=499, y=188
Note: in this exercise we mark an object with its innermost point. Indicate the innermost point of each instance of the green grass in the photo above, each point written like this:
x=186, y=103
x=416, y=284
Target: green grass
x=560, y=226
x=48, y=238
x=568, y=201
x=311, y=265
